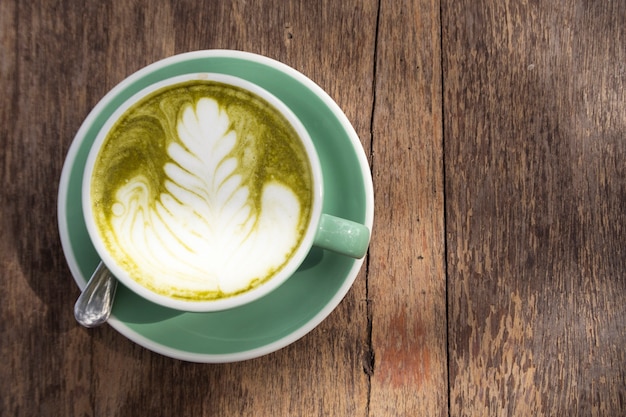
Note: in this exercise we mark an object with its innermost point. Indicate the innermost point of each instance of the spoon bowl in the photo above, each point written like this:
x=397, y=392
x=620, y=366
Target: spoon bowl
x=94, y=304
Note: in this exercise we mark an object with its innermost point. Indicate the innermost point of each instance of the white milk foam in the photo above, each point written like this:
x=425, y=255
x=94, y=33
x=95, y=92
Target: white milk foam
x=203, y=234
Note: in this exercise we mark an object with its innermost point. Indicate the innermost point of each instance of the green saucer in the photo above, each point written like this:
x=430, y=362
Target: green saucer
x=303, y=301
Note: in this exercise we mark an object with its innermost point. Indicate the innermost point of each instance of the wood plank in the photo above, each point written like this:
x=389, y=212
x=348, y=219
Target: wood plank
x=535, y=188
x=407, y=287
x=39, y=340
x=60, y=60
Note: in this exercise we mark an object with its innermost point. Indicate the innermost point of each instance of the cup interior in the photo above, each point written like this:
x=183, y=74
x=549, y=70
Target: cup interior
x=221, y=303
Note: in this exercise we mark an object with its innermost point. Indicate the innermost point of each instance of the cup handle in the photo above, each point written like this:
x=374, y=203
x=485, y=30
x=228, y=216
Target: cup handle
x=342, y=236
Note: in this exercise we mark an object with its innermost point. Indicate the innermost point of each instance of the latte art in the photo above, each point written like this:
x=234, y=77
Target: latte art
x=190, y=198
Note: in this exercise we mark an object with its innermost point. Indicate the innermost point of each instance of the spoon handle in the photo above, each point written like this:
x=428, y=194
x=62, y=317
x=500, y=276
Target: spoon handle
x=93, y=307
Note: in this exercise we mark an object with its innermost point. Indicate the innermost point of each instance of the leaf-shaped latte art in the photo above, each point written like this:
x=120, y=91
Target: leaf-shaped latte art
x=203, y=233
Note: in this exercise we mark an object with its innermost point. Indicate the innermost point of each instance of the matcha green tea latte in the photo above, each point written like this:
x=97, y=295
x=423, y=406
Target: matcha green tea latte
x=201, y=190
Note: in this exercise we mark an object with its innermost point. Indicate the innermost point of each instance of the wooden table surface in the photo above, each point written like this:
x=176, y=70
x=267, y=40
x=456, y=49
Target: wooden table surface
x=495, y=282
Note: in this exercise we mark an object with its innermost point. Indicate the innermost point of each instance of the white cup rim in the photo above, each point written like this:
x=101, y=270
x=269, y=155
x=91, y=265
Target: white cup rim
x=232, y=301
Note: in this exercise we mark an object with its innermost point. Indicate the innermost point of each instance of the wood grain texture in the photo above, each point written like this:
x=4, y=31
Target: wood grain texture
x=496, y=131
x=535, y=146
x=58, y=60
x=407, y=282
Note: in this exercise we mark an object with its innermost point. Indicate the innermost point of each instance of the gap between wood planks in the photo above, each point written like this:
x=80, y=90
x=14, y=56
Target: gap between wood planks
x=369, y=357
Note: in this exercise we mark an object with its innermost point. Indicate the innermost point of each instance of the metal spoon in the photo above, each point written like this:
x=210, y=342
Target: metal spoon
x=93, y=307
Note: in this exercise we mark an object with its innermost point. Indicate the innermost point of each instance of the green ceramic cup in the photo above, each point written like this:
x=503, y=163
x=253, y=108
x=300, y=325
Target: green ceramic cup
x=163, y=258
